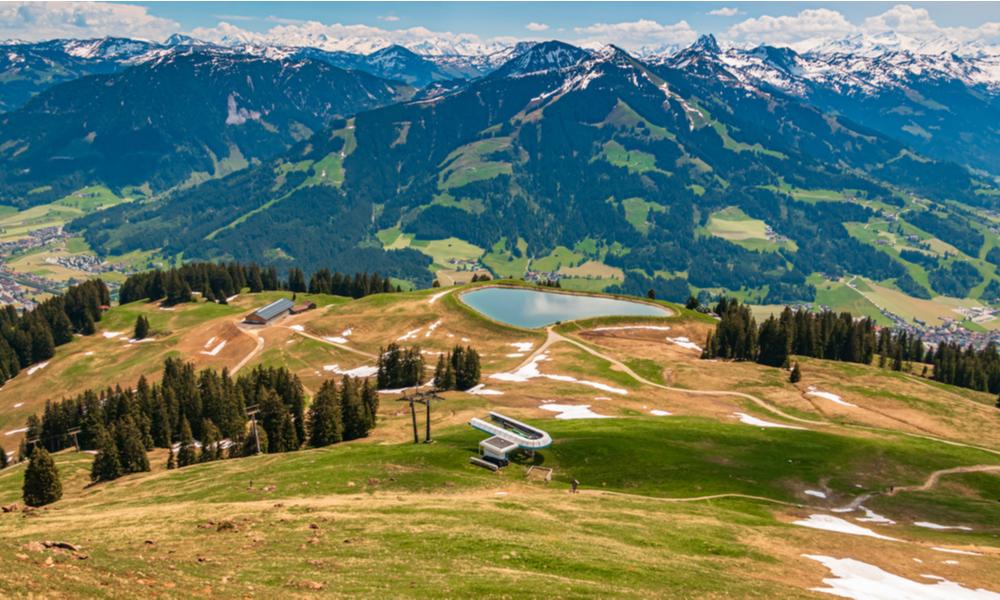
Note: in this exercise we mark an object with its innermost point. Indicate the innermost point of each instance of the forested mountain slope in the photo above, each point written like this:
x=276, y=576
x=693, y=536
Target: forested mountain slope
x=194, y=113
x=620, y=161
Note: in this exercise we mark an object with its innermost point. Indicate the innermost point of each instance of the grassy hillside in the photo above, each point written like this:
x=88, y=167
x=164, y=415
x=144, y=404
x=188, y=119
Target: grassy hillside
x=694, y=503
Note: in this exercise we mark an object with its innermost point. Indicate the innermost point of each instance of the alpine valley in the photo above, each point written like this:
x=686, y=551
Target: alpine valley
x=860, y=175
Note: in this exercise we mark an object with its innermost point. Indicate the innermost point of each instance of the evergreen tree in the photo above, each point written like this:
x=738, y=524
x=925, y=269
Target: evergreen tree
x=325, y=424
x=352, y=410
x=211, y=442
x=107, y=465
x=289, y=439
x=796, y=375
x=41, y=479
x=141, y=328
x=4, y=459
x=131, y=450
x=187, y=454
x=692, y=303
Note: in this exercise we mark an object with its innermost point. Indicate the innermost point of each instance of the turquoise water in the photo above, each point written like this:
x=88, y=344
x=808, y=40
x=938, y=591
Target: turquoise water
x=535, y=308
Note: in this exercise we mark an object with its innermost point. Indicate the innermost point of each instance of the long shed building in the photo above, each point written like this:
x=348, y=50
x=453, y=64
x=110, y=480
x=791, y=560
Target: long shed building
x=265, y=315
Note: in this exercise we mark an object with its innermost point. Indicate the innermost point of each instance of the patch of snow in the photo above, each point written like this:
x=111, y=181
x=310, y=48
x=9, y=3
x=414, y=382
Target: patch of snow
x=683, y=342
x=88, y=353
x=601, y=398
x=522, y=346
x=482, y=390
x=465, y=339
x=142, y=341
x=167, y=308
x=956, y=551
x=838, y=525
x=209, y=342
x=401, y=390
x=873, y=517
x=409, y=335
x=859, y=580
x=515, y=355
x=432, y=327
x=16, y=431
x=347, y=332
x=660, y=413
x=298, y=328
x=363, y=371
x=812, y=391
x=39, y=366
x=19, y=405
x=751, y=420
x=111, y=334
x=815, y=493
x=437, y=296
x=336, y=339
x=929, y=525
x=218, y=348
x=530, y=371
x=573, y=411
x=231, y=298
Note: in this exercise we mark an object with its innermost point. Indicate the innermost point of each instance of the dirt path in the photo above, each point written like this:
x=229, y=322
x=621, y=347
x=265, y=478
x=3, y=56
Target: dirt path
x=933, y=479
x=691, y=499
x=259, y=341
x=554, y=338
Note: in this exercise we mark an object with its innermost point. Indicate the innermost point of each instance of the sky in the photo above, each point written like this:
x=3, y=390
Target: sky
x=632, y=25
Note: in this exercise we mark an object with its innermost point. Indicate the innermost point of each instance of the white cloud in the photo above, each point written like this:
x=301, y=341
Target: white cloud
x=350, y=38
x=47, y=20
x=810, y=24
x=634, y=35
x=725, y=11
x=536, y=26
x=813, y=26
x=388, y=18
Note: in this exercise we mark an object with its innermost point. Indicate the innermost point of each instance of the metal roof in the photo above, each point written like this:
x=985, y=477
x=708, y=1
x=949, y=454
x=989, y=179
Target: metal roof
x=499, y=443
x=274, y=309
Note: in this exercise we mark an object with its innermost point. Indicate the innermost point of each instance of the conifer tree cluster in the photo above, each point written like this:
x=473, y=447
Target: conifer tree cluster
x=968, y=367
x=820, y=335
x=216, y=282
x=342, y=415
x=399, y=367
x=481, y=277
x=459, y=370
x=184, y=407
x=33, y=336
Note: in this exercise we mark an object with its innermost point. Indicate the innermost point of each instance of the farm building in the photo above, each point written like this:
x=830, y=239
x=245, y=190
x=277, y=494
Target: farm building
x=265, y=315
x=301, y=308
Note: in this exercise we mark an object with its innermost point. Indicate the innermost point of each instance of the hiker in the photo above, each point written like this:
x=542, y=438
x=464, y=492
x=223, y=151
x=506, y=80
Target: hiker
x=575, y=485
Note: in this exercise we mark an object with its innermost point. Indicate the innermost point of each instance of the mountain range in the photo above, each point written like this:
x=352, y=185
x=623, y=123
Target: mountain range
x=537, y=157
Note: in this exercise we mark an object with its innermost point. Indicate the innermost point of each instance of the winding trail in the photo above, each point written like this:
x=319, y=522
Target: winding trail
x=554, y=338
x=690, y=499
x=933, y=479
x=256, y=350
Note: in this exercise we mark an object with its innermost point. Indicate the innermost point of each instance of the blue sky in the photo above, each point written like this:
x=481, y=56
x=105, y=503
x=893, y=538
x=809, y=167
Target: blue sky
x=629, y=24
x=490, y=19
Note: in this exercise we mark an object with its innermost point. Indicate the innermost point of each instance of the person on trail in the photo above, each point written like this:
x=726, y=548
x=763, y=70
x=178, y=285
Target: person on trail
x=575, y=484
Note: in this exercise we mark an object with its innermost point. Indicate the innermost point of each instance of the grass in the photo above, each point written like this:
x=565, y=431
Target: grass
x=443, y=252
x=470, y=163
x=734, y=225
x=637, y=212
x=730, y=144
x=636, y=161
x=560, y=257
x=503, y=263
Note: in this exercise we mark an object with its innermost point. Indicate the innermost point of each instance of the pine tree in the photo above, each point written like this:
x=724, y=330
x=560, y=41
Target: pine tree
x=352, y=410
x=141, y=328
x=4, y=460
x=211, y=442
x=796, y=375
x=289, y=440
x=325, y=424
x=131, y=450
x=187, y=454
x=41, y=479
x=106, y=465
x=171, y=459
